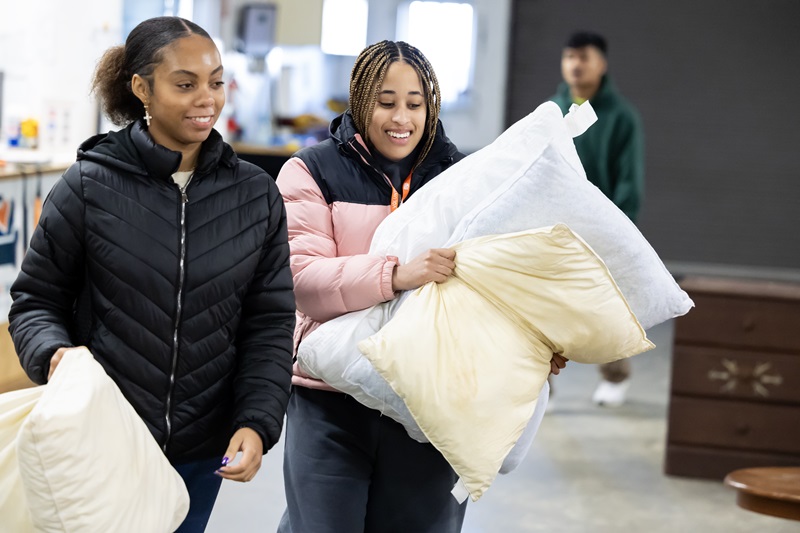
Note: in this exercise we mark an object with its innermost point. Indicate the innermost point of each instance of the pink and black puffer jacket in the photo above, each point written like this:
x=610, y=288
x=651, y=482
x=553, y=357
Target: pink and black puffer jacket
x=335, y=197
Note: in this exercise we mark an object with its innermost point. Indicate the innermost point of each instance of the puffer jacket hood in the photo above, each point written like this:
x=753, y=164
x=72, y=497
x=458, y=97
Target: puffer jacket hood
x=342, y=128
x=184, y=297
x=133, y=150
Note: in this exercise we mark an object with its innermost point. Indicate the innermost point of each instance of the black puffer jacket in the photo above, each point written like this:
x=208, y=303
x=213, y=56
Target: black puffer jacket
x=199, y=346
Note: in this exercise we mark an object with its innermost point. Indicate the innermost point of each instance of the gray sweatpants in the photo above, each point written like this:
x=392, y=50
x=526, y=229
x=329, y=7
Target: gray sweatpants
x=348, y=469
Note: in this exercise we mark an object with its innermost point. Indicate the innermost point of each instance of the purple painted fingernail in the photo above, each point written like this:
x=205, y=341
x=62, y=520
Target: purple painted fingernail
x=225, y=461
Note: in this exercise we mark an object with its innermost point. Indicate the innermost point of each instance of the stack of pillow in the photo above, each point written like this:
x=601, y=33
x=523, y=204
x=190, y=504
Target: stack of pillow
x=529, y=188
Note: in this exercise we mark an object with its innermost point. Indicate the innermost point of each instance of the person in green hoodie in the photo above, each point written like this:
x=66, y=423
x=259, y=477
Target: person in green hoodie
x=612, y=153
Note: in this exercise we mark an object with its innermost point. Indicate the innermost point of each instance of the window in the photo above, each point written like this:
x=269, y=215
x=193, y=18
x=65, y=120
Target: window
x=185, y=9
x=344, y=27
x=420, y=24
x=178, y=8
x=135, y=11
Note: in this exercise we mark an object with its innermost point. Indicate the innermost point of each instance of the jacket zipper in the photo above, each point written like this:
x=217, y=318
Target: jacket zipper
x=178, y=313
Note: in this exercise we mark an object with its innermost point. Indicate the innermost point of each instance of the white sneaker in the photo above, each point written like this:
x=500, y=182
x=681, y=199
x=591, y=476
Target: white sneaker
x=610, y=394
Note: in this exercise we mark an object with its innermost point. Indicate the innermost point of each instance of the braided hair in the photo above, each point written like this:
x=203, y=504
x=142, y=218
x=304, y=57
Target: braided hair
x=366, y=80
x=142, y=52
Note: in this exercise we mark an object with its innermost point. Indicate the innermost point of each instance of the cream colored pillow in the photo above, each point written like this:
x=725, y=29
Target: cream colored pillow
x=89, y=463
x=14, y=409
x=469, y=356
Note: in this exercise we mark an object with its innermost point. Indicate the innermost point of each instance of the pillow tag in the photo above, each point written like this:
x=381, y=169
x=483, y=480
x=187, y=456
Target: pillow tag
x=579, y=118
x=460, y=492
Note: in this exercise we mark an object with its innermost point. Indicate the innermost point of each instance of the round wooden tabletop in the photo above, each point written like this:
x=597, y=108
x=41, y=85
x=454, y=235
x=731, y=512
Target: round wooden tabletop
x=768, y=490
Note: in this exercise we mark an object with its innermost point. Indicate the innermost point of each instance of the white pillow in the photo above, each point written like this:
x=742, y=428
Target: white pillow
x=532, y=177
x=14, y=409
x=470, y=355
x=89, y=463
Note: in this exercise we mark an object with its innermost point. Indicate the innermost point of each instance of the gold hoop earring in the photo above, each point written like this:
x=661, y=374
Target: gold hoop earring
x=147, y=116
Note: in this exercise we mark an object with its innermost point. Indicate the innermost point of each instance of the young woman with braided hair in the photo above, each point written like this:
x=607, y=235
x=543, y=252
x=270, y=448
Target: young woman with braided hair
x=347, y=468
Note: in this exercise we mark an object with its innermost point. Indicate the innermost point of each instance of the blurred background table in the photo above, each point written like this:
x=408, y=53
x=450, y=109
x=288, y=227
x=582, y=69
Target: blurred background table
x=769, y=490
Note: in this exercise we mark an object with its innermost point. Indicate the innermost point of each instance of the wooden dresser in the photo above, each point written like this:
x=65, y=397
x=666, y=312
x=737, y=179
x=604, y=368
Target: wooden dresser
x=735, y=391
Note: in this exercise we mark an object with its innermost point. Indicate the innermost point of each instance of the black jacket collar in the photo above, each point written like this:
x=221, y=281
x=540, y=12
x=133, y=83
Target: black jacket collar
x=133, y=149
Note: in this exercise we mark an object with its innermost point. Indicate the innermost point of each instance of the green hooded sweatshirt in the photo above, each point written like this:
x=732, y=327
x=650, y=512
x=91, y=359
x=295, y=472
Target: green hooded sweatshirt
x=611, y=150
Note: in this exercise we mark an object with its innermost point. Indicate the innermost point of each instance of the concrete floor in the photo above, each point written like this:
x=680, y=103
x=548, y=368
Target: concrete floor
x=590, y=470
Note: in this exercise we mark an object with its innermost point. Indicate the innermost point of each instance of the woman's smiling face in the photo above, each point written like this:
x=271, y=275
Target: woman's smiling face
x=188, y=93
x=398, y=120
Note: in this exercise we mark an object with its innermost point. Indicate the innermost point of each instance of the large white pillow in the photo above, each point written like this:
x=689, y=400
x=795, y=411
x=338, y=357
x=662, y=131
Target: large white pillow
x=532, y=177
x=14, y=409
x=88, y=462
x=470, y=355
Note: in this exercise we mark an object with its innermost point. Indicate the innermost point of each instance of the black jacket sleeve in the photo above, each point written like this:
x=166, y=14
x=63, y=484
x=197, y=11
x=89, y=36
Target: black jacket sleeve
x=264, y=339
x=51, y=276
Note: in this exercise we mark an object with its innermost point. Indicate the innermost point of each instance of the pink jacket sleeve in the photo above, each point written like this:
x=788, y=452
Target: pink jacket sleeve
x=326, y=285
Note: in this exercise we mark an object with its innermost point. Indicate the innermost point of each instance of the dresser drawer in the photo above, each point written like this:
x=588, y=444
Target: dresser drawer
x=736, y=374
x=742, y=322
x=716, y=463
x=734, y=424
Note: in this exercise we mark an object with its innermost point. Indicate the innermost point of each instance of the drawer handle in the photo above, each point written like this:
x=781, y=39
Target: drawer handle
x=749, y=323
x=742, y=430
x=732, y=375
